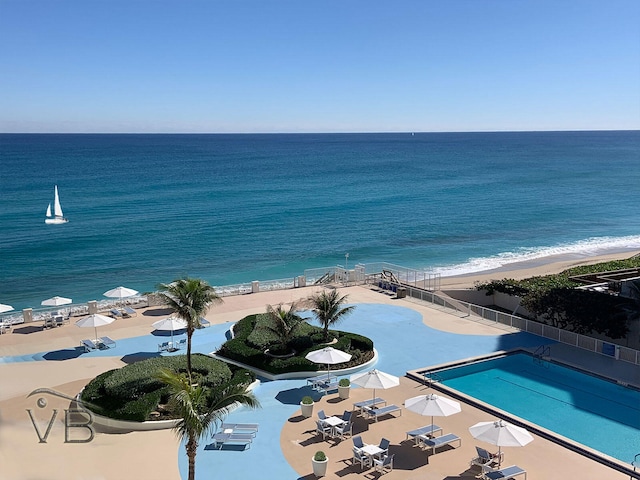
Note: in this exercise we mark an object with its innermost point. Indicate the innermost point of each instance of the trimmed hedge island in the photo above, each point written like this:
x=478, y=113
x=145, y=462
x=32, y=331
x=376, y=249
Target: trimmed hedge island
x=251, y=341
x=134, y=393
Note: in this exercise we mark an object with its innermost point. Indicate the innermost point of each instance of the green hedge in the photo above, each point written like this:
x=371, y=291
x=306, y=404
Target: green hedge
x=132, y=392
x=242, y=348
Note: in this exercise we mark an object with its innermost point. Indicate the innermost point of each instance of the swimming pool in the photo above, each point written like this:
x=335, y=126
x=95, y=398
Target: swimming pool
x=595, y=412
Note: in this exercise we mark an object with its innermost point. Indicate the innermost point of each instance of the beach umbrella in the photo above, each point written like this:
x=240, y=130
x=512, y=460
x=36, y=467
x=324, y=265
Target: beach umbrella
x=170, y=324
x=501, y=433
x=96, y=320
x=120, y=293
x=328, y=355
x=5, y=308
x=375, y=379
x=56, y=301
x=433, y=405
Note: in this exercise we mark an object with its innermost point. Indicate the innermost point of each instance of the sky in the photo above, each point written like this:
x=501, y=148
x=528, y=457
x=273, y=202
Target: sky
x=245, y=66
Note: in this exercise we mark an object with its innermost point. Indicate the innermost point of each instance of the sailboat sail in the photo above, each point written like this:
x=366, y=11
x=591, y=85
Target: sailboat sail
x=57, y=216
x=57, y=209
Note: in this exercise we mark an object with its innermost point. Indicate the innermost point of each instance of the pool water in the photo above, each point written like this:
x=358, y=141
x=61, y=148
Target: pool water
x=592, y=411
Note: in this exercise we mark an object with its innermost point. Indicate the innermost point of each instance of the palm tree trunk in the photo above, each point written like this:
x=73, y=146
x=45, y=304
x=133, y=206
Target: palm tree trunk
x=192, y=448
x=189, y=334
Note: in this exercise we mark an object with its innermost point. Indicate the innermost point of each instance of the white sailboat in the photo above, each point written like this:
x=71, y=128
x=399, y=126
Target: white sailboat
x=57, y=216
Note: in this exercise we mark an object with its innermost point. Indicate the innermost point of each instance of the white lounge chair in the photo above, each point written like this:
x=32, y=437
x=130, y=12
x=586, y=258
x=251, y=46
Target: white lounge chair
x=245, y=439
x=181, y=343
x=485, y=458
x=107, y=342
x=436, y=442
x=507, y=472
x=245, y=427
x=379, y=412
x=425, y=431
x=88, y=345
x=128, y=312
x=368, y=403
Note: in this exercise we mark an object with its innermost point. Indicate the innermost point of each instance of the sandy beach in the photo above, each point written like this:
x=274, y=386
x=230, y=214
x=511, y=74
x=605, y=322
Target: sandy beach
x=154, y=455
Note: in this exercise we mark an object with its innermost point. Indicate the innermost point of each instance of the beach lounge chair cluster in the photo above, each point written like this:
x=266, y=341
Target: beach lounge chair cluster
x=172, y=346
x=102, y=342
x=236, y=433
x=124, y=312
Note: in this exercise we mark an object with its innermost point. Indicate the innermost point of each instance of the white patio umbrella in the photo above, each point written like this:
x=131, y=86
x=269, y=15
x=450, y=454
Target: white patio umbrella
x=501, y=433
x=56, y=301
x=328, y=355
x=5, y=308
x=96, y=320
x=375, y=379
x=433, y=405
x=170, y=324
x=120, y=293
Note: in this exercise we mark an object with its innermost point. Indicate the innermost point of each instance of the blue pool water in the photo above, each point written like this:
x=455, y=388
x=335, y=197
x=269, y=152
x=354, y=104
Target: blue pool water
x=594, y=412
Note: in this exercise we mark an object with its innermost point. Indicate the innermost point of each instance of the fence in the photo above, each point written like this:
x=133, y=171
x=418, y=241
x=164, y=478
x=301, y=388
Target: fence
x=478, y=312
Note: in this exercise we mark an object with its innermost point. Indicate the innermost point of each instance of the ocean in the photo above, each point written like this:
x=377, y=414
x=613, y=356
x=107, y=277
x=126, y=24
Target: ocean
x=146, y=209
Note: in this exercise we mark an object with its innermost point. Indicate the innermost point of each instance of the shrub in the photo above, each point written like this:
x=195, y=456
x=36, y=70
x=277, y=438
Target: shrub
x=344, y=382
x=320, y=456
x=307, y=400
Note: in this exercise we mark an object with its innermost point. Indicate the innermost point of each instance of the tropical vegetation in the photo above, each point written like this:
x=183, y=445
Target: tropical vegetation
x=555, y=300
x=135, y=393
x=328, y=308
x=189, y=299
x=253, y=345
x=200, y=409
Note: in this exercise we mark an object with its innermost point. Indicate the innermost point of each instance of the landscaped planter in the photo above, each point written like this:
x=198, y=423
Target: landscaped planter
x=319, y=466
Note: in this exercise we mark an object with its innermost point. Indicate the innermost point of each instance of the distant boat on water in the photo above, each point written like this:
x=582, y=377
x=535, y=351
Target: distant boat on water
x=57, y=216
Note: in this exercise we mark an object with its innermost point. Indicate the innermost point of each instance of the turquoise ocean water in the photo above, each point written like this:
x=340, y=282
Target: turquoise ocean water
x=146, y=209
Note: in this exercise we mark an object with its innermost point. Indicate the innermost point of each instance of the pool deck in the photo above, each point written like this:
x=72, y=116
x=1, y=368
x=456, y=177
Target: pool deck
x=446, y=337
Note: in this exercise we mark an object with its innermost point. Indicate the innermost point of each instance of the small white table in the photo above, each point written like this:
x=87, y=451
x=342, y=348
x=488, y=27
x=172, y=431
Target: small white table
x=333, y=422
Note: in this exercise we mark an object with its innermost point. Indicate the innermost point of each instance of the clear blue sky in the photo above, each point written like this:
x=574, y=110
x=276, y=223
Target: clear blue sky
x=318, y=66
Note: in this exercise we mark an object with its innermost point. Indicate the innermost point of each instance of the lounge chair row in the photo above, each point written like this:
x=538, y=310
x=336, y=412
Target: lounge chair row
x=236, y=433
x=171, y=346
x=124, y=312
x=102, y=342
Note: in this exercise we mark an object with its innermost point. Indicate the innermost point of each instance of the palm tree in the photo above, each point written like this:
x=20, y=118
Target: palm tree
x=283, y=323
x=200, y=409
x=328, y=309
x=190, y=299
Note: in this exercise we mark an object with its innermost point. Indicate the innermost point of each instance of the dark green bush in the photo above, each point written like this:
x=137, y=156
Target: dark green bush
x=131, y=392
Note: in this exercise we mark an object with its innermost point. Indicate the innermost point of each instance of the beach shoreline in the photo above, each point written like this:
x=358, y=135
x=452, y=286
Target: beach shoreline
x=531, y=268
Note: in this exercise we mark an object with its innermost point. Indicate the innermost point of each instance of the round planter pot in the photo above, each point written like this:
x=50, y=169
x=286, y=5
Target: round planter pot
x=343, y=392
x=319, y=468
x=307, y=409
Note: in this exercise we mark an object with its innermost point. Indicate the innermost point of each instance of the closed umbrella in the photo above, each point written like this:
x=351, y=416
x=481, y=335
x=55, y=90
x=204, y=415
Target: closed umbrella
x=96, y=320
x=433, y=405
x=5, y=308
x=120, y=293
x=502, y=434
x=375, y=379
x=56, y=301
x=170, y=324
x=328, y=355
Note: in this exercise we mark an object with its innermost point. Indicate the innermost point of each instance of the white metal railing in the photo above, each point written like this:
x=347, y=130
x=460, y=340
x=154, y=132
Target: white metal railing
x=477, y=312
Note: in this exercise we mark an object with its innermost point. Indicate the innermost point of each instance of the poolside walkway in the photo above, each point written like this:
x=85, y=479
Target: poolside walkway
x=407, y=336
